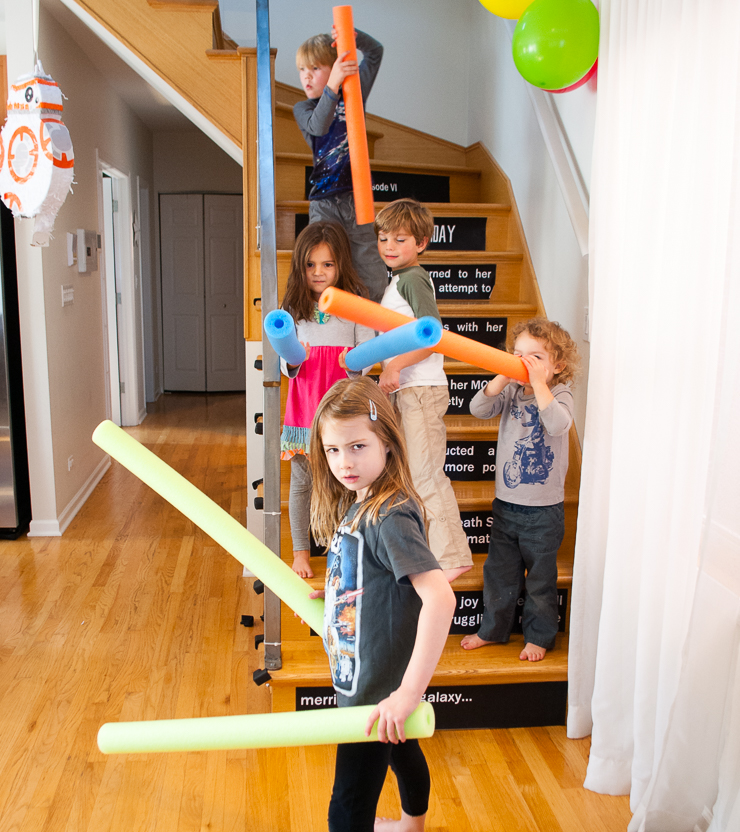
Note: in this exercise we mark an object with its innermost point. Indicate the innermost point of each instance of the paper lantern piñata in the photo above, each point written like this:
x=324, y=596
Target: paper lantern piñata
x=36, y=156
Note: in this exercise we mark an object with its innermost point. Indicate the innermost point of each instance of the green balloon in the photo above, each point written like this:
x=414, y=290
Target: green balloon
x=556, y=42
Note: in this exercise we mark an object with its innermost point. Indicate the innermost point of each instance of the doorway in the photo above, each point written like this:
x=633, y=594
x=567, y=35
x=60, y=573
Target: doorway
x=121, y=299
x=202, y=245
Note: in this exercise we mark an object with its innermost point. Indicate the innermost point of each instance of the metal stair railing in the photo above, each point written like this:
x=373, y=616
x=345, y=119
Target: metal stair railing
x=270, y=361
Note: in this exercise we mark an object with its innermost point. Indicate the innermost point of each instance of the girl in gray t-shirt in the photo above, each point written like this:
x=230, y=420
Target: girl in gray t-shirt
x=387, y=604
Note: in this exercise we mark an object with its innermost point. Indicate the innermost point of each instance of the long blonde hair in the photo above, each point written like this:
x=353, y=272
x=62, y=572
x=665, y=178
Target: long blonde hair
x=330, y=500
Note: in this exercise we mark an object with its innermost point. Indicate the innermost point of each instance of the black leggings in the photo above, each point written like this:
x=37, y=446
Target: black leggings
x=359, y=776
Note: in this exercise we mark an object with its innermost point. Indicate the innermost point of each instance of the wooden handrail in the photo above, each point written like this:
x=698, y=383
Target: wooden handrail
x=221, y=40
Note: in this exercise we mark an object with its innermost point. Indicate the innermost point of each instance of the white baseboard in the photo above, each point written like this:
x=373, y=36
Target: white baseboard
x=79, y=499
x=55, y=528
x=44, y=528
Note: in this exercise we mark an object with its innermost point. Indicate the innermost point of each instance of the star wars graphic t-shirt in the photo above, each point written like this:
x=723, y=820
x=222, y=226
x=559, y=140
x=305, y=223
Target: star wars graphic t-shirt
x=370, y=607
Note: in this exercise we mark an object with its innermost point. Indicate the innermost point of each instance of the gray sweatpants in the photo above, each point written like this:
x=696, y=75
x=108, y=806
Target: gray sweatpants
x=299, y=502
x=340, y=208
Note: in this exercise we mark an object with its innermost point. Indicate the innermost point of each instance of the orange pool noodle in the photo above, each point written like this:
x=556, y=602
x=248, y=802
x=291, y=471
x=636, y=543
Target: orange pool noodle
x=359, y=158
x=373, y=315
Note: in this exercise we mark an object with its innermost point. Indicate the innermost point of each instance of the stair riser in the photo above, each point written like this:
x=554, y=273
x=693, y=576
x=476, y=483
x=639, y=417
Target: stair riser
x=293, y=630
x=496, y=236
x=513, y=705
x=505, y=290
x=290, y=183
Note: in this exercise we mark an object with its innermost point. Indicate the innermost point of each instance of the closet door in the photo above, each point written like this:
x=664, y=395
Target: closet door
x=183, y=315
x=224, y=292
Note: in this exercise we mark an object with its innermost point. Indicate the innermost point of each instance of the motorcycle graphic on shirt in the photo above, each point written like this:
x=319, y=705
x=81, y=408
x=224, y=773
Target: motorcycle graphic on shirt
x=533, y=458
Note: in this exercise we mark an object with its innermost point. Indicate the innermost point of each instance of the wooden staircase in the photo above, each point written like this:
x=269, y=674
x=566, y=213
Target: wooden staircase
x=182, y=41
x=503, y=691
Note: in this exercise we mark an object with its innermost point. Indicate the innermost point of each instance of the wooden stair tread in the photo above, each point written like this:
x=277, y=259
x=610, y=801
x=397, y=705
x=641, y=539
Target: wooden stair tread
x=185, y=5
x=223, y=54
x=472, y=495
x=441, y=208
x=305, y=664
x=461, y=428
x=470, y=581
x=478, y=494
x=387, y=164
x=485, y=308
x=472, y=257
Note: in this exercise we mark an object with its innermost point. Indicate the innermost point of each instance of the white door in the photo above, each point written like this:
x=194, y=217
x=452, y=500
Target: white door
x=112, y=302
x=183, y=315
x=202, y=292
x=224, y=291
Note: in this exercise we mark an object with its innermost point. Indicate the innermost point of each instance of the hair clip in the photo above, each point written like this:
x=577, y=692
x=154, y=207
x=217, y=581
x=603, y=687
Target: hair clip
x=373, y=411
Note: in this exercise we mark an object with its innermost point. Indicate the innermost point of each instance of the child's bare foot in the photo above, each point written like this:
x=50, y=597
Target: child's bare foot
x=406, y=824
x=452, y=574
x=532, y=653
x=301, y=566
x=473, y=641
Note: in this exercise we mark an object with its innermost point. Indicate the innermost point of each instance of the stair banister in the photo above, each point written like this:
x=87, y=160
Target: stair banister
x=269, y=295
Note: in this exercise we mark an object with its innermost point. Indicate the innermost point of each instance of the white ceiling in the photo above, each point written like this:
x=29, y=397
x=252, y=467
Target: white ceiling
x=151, y=107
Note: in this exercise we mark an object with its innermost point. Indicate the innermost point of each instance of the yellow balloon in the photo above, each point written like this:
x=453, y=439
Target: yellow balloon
x=512, y=9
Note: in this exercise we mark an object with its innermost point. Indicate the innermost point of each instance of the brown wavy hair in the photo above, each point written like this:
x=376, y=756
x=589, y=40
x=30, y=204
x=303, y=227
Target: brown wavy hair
x=557, y=342
x=330, y=500
x=298, y=299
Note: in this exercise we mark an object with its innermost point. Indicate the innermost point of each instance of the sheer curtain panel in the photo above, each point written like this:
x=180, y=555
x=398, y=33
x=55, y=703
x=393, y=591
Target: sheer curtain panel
x=654, y=620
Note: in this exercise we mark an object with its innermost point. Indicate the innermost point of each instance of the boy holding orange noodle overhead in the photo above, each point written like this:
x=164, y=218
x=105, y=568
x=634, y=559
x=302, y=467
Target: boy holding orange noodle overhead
x=321, y=119
x=417, y=380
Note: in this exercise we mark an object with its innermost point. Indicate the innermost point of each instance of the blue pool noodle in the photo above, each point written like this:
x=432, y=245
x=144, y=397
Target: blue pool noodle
x=417, y=335
x=280, y=329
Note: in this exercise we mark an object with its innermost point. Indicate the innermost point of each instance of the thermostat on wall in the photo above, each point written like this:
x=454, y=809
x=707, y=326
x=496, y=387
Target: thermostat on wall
x=87, y=251
x=82, y=248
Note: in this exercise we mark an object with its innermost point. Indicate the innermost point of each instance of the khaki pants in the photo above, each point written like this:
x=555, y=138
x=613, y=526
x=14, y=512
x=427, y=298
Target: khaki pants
x=422, y=411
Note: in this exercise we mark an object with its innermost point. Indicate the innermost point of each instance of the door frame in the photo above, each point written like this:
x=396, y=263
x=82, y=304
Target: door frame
x=122, y=357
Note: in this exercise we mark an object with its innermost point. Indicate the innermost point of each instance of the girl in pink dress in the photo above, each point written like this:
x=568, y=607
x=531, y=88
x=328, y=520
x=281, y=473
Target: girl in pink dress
x=321, y=258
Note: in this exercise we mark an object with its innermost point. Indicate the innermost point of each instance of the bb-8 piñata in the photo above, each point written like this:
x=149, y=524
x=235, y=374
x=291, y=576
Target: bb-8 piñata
x=36, y=156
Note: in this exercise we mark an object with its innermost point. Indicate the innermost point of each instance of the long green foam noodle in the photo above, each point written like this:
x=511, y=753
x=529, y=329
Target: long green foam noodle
x=326, y=726
x=214, y=521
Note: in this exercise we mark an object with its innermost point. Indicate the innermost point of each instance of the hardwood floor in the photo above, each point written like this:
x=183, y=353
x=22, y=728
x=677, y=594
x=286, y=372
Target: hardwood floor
x=134, y=614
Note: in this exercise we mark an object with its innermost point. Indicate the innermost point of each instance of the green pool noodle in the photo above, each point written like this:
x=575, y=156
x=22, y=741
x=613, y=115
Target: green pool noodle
x=326, y=726
x=213, y=520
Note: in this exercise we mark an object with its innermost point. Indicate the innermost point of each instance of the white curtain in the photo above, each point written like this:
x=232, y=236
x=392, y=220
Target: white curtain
x=655, y=625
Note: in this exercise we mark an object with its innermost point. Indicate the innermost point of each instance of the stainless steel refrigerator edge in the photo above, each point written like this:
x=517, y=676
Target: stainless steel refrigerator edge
x=15, y=499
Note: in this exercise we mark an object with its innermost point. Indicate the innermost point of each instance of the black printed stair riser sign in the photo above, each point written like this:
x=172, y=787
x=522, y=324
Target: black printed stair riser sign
x=301, y=221
x=562, y=608
x=491, y=331
x=468, y=282
x=469, y=612
x=462, y=389
x=458, y=234
x=520, y=705
x=310, y=699
x=389, y=185
x=470, y=460
x=477, y=526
